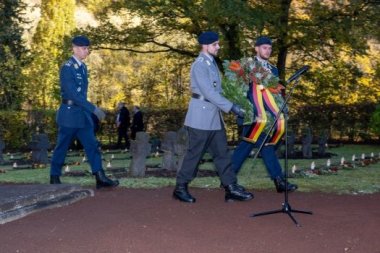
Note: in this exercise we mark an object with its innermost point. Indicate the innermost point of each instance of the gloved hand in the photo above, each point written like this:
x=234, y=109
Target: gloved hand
x=99, y=113
x=239, y=121
x=237, y=110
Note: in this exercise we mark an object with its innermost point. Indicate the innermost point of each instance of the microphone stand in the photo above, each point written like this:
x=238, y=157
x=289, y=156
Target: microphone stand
x=286, y=208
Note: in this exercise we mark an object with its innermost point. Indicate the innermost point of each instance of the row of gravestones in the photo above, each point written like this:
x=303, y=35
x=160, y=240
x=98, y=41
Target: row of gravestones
x=39, y=146
x=173, y=146
x=307, y=139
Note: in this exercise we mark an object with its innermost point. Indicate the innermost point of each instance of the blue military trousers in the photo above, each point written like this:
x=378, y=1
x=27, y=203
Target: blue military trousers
x=87, y=138
x=268, y=154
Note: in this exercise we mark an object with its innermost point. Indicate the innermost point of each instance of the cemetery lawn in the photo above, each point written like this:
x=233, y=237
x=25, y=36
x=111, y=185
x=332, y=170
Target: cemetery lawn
x=356, y=180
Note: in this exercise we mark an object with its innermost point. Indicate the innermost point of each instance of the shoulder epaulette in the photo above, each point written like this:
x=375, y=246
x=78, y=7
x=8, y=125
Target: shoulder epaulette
x=203, y=60
x=200, y=59
x=69, y=63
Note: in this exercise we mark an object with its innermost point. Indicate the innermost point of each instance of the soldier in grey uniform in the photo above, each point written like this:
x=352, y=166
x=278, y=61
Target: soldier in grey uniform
x=205, y=125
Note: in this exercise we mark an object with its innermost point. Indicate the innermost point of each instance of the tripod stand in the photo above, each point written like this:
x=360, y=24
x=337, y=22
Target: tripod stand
x=286, y=208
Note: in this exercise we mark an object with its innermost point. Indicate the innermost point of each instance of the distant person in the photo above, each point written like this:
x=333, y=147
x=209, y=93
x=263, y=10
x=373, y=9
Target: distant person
x=74, y=116
x=137, y=122
x=123, y=122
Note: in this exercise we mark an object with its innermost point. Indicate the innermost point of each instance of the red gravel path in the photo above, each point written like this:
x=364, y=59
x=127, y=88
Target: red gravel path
x=129, y=220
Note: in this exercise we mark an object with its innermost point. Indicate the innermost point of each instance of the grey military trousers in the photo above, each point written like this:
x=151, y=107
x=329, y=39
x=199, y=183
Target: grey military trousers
x=199, y=142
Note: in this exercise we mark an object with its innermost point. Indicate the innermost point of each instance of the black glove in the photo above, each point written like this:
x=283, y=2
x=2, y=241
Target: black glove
x=237, y=110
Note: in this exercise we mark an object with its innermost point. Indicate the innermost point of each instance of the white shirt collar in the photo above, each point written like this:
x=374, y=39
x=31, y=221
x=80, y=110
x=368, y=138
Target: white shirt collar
x=78, y=61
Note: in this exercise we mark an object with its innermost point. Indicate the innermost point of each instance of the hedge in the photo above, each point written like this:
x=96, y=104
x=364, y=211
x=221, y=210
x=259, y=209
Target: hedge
x=350, y=123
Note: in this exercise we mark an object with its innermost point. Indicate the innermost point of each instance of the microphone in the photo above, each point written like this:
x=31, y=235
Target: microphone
x=298, y=73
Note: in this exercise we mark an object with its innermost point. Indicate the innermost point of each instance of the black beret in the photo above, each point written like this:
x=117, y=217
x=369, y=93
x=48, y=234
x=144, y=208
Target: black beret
x=207, y=38
x=263, y=40
x=81, y=41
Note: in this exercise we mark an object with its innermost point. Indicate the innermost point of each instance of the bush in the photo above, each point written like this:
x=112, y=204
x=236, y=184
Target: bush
x=351, y=123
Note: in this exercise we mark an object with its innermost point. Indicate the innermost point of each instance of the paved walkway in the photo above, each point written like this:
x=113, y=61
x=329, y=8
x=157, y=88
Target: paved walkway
x=143, y=221
x=17, y=201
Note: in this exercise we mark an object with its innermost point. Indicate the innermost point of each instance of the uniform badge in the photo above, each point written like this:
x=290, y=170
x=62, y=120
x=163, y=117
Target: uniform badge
x=76, y=66
x=214, y=84
x=208, y=63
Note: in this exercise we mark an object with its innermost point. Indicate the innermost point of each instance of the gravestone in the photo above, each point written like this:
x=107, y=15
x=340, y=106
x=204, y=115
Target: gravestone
x=180, y=146
x=140, y=149
x=291, y=144
x=322, y=142
x=40, y=145
x=307, y=139
x=167, y=146
x=2, y=146
x=156, y=144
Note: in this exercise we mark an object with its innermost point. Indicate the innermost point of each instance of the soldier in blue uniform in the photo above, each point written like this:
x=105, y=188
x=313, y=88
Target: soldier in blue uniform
x=205, y=126
x=74, y=116
x=253, y=134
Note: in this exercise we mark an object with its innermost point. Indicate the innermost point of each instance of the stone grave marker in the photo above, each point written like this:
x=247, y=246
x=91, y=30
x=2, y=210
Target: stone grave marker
x=167, y=146
x=307, y=139
x=40, y=145
x=181, y=146
x=2, y=146
x=140, y=149
x=322, y=142
x=291, y=144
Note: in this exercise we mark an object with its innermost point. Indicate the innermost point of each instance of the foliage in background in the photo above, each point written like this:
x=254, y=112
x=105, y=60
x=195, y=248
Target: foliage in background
x=330, y=36
x=12, y=53
x=152, y=43
x=343, y=124
x=49, y=49
x=153, y=80
x=17, y=127
x=375, y=121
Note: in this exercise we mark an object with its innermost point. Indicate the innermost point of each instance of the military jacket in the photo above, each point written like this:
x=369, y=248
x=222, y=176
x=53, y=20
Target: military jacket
x=74, y=85
x=206, y=81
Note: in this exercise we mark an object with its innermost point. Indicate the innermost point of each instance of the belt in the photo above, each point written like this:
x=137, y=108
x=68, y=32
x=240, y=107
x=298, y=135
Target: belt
x=67, y=102
x=200, y=97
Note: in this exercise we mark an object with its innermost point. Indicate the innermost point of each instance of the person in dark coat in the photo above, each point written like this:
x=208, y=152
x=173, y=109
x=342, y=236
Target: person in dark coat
x=137, y=122
x=123, y=122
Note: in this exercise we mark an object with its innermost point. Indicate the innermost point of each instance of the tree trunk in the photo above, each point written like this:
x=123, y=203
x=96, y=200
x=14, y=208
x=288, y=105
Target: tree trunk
x=282, y=41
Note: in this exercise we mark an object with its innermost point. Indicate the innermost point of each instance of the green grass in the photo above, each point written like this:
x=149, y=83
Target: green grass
x=360, y=180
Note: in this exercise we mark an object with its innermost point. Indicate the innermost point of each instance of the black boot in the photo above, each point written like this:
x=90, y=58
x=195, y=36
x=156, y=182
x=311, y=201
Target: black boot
x=103, y=181
x=279, y=182
x=55, y=180
x=237, y=192
x=181, y=193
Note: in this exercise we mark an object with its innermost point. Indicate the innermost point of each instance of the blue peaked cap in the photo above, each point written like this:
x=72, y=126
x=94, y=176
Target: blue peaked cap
x=81, y=41
x=207, y=38
x=263, y=40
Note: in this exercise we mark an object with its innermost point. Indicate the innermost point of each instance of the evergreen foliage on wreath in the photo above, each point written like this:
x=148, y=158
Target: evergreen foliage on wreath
x=238, y=75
